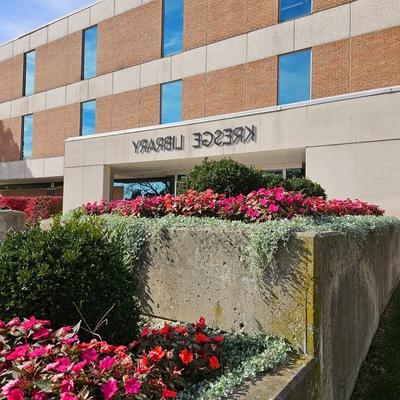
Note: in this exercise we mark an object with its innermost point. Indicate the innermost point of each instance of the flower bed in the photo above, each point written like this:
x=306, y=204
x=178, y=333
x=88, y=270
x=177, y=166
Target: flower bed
x=171, y=361
x=261, y=205
x=35, y=208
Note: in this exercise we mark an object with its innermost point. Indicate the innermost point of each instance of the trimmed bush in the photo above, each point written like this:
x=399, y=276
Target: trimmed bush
x=225, y=177
x=74, y=262
x=305, y=186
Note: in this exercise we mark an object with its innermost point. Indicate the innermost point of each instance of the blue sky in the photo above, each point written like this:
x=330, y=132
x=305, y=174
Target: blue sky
x=21, y=16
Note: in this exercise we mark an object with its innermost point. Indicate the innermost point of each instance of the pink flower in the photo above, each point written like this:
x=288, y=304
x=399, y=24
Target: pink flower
x=7, y=388
x=132, y=386
x=36, y=395
x=107, y=362
x=16, y=394
x=273, y=208
x=39, y=351
x=68, y=396
x=2, y=324
x=109, y=389
x=79, y=366
x=89, y=355
x=19, y=352
x=42, y=333
x=67, y=386
x=14, y=322
x=60, y=365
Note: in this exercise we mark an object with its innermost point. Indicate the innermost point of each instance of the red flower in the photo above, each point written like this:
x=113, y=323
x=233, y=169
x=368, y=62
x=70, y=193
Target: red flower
x=169, y=393
x=201, y=338
x=181, y=329
x=16, y=394
x=145, y=331
x=201, y=324
x=186, y=356
x=214, y=363
x=165, y=329
x=156, y=354
x=218, y=339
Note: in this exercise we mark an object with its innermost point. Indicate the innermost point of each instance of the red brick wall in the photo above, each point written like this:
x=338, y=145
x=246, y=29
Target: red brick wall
x=375, y=60
x=149, y=106
x=320, y=5
x=331, y=69
x=194, y=97
x=10, y=139
x=6, y=80
x=52, y=127
x=59, y=63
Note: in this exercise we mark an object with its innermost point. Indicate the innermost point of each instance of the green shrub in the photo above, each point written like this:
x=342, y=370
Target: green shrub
x=305, y=186
x=224, y=176
x=43, y=273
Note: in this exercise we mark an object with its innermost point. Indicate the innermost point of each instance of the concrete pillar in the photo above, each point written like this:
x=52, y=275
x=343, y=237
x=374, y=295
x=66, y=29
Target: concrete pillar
x=86, y=184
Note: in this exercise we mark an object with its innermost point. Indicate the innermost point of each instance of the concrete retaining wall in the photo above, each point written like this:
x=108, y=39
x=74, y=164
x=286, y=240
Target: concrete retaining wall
x=325, y=296
x=11, y=220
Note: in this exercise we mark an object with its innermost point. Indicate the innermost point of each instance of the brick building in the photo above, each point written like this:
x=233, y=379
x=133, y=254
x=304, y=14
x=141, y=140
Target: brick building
x=128, y=94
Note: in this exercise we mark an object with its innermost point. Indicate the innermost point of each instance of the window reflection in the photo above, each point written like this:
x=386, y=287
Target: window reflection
x=290, y=9
x=30, y=60
x=295, y=77
x=27, y=129
x=172, y=27
x=89, y=52
x=129, y=189
x=171, y=102
x=88, y=118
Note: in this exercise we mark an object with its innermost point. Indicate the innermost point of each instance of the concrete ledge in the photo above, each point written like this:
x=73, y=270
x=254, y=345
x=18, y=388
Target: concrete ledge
x=11, y=220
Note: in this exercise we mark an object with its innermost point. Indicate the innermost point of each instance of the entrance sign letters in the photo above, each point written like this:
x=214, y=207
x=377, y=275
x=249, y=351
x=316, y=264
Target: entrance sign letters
x=220, y=137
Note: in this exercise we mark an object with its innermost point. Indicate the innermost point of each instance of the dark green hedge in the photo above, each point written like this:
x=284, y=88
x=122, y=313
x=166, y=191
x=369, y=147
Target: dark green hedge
x=43, y=273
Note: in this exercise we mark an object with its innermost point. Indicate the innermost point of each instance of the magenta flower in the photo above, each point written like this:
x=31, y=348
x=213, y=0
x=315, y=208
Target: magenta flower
x=39, y=351
x=107, y=362
x=36, y=395
x=273, y=208
x=79, y=366
x=89, y=355
x=109, y=389
x=67, y=386
x=132, y=386
x=19, y=352
x=68, y=396
x=42, y=333
x=61, y=365
x=16, y=394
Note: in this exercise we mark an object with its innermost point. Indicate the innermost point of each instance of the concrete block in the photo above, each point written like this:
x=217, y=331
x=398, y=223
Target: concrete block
x=125, y=5
x=5, y=110
x=323, y=27
x=73, y=182
x=335, y=168
x=116, y=149
x=101, y=11
x=73, y=153
x=53, y=167
x=227, y=53
x=331, y=123
x=34, y=168
x=155, y=72
x=3, y=171
x=376, y=174
x=17, y=169
x=126, y=79
x=14, y=220
x=375, y=117
x=100, y=86
x=19, y=107
x=79, y=21
x=371, y=15
x=38, y=38
x=6, y=51
x=77, y=92
x=21, y=45
x=271, y=41
x=58, y=29
x=189, y=63
x=284, y=129
x=37, y=102
x=93, y=151
x=96, y=183
x=56, y=97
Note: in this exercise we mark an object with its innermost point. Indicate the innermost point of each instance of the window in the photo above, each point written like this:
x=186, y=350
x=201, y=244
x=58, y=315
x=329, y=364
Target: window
x=295, y=77
x=171, y=102
x=27, y=128
x=290, y=9
x=89, y=52
x=172, y=27
x=29, y=73
x=88, y=118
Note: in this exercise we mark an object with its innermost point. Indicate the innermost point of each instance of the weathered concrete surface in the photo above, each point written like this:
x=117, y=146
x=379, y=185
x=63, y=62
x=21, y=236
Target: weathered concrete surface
x=325, y=295
x=293, y=382
x=10, y=220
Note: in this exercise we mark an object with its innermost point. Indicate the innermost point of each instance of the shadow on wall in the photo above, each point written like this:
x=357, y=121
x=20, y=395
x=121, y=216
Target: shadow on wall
x=9, y=149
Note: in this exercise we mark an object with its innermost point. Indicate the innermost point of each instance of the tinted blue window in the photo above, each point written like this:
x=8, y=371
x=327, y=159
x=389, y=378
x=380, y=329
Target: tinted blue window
x=29, y=73
x=88, y=118
x=89, y=52
x=171, y=102
x=295, y=77
x=289, y=9
x=172, y=27
x=27, y=126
